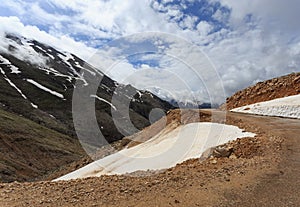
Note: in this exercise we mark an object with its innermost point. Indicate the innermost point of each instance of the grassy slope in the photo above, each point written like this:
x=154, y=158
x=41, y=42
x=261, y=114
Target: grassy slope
x=29, y=150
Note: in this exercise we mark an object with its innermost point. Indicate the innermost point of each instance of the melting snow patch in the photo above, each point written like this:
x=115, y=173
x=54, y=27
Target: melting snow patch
x=140, y=94
x=56, y=73
x=13, y=68
x=41, y=49
x=45, y=88
x=101, y=99
x=51, y=56
x=15, y=87
x=52, y=116
x=4, y=61
x=70, y=57
x=12, y=84
x=34, y=106
x=288, y=107
x=163, y=151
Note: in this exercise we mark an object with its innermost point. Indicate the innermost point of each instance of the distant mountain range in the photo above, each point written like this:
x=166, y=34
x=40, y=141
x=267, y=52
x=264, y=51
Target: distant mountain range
x=192, y=105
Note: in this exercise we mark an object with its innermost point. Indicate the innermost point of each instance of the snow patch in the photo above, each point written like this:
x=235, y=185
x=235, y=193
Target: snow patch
x=288, y=107
x=45, y=88
x=15, y=87
x=41, y=49
x=12, y=84
x=163, y=151
x=13, y=68
x=82, y=68
x=101, y=99
x=140, y=94
x=4, y=61
x=51, y=56
x=34, y=106
x=105, y=88
x=56, y=73
x=65, y=59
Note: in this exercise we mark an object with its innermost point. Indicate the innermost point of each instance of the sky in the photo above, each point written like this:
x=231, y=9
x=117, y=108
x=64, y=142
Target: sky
x=201, y=50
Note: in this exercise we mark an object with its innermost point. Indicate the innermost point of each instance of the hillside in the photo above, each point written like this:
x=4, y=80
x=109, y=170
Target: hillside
x=264, y=91
x=29, y=150
x=37, y=83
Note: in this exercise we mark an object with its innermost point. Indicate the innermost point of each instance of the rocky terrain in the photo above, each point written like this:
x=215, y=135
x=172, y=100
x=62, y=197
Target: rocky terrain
x=264, y=91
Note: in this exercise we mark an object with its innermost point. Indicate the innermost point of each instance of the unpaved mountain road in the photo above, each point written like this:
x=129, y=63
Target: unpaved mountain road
x=267, y=174
x=282, y=187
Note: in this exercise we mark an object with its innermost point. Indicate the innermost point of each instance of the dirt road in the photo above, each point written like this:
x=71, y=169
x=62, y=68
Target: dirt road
x=281, y=187
x=265, y=173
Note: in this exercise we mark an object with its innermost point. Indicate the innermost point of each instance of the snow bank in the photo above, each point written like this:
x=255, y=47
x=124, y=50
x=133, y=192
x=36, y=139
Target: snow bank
x=284, y=107
x=163, y=151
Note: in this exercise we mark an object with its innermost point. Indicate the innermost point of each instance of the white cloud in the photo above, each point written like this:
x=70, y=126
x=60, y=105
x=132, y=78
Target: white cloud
x=259, y=41
x=183, y=71
x=204, y=28
x=14, y=25
x=188, y=22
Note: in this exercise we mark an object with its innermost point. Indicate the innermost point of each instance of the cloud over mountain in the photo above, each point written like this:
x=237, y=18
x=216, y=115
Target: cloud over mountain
x=247, y=41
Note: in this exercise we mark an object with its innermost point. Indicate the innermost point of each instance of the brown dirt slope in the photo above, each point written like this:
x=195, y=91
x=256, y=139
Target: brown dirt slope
x=264, y=91
x=261, y=171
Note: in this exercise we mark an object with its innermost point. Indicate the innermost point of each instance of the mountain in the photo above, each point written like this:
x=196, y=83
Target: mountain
x=192, y=105
x=37, y=83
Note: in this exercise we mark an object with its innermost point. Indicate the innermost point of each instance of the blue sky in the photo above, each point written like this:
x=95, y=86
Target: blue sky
x=245, y=41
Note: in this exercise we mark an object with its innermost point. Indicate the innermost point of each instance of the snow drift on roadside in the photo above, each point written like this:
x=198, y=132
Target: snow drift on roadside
x=163, y=151
x=284, y=107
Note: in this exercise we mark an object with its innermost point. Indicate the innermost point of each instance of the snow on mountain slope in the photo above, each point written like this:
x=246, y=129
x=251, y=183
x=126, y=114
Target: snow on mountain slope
x=105, y=101
x=163, y=151
x=288, y=107
x=4, y=61
x=38, y=81
x=45, y=88
x=37, y=76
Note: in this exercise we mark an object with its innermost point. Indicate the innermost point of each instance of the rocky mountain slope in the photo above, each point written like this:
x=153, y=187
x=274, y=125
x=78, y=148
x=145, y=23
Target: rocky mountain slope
x=264, y=91
x=36, y=88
